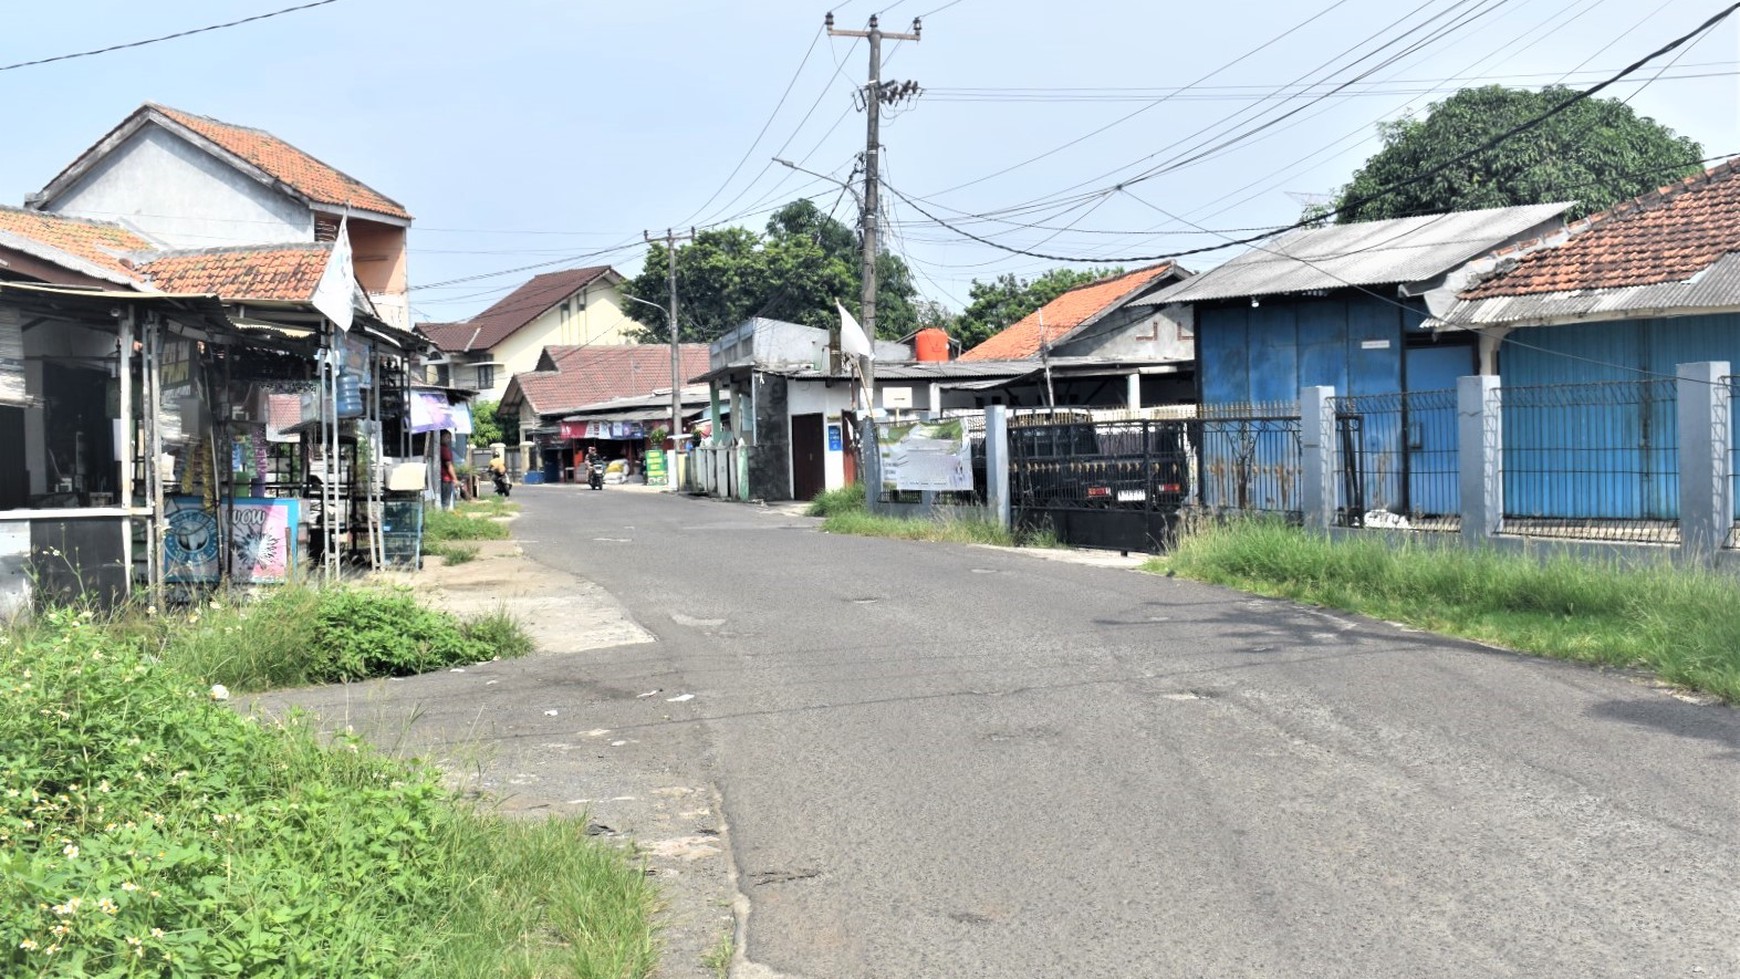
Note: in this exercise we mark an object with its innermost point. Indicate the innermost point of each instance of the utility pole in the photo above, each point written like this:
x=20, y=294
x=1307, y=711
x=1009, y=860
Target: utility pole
x=670, y=239
x=875, y=94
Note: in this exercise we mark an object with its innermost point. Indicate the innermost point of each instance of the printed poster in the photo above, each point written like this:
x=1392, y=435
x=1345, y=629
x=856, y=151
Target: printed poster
x=926, y=456
x=190, y=550
x=263, y=540
x=655, y=467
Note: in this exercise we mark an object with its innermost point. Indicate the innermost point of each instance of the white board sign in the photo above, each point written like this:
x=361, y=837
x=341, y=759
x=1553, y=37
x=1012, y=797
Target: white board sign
x=925, y=456
x=897, y=397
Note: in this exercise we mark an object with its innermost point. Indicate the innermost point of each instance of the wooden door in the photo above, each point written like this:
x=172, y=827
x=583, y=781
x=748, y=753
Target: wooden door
x=809, y=474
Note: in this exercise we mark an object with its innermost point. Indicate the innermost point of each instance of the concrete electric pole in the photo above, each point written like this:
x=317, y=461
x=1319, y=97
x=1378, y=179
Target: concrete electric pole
x=670, y=240
x=875, y=94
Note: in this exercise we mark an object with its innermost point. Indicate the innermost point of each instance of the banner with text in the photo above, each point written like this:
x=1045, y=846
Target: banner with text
x=926, y=456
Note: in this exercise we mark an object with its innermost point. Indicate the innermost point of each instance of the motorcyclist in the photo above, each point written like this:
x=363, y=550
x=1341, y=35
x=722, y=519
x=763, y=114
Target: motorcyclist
x=498, y=473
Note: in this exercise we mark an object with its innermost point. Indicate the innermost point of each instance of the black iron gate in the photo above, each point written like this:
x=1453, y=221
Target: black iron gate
x=1106, y=484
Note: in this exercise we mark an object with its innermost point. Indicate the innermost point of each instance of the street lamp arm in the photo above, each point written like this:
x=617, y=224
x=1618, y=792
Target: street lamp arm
x=833, y=180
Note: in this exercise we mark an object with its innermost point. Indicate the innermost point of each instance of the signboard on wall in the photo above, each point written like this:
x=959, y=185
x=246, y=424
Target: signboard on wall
x=925, y=456
x=655, y=468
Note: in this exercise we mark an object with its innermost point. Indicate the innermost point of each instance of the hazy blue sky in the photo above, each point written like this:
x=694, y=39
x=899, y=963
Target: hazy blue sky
x=534, y=131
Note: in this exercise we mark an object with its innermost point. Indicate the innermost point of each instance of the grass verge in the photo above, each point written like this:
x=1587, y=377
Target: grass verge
x=450, y=525
x=844, y=500
x=1683, y=625
x=294, y=636
x=453, y=552
x=844, y=512
x=146, y=830
x=488, y=506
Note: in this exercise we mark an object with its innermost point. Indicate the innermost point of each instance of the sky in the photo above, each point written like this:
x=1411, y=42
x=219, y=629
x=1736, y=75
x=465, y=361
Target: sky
x=532, y=135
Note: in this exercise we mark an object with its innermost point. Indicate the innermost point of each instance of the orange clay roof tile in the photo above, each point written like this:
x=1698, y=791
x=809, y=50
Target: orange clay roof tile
x=100, y=243
x=1667, y=235
x=303, y=173
x=282, y=273
x=1022, y=339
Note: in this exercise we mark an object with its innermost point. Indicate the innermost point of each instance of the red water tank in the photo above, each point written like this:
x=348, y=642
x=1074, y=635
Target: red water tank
x=931, y=344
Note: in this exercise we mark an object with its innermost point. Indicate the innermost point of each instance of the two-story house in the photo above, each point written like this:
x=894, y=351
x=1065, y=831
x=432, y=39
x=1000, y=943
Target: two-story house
x=190, y=182
x=570, y=308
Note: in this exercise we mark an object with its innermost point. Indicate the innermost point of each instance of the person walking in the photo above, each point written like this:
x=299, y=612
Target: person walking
x=449, y=476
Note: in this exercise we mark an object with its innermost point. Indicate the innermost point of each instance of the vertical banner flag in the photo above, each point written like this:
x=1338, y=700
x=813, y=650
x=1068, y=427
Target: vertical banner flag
x=333, y=296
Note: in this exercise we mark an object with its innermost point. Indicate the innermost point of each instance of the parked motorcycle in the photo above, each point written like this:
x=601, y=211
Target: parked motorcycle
x=595, y=476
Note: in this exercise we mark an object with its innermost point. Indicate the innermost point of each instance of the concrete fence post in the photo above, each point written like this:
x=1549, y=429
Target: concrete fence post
x=1480, y=455
x=1706, y=487
x=997, y=465
x=1317, y=443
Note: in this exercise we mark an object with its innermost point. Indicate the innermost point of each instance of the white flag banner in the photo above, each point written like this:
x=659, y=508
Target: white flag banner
x=337, y=289
x=852, y=338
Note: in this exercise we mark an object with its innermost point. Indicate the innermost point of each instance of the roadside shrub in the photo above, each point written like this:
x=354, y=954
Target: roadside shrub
x=146, y=830
x=361, y=633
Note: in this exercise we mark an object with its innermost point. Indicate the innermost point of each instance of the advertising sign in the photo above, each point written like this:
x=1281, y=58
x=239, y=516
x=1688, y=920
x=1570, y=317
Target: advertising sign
x=655, y=467
x=926, y=456
x=190, y=550
x=263, y=540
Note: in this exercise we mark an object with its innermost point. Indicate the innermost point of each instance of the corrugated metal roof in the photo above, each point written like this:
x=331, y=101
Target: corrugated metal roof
x=1366, y=253
x=1715, y=288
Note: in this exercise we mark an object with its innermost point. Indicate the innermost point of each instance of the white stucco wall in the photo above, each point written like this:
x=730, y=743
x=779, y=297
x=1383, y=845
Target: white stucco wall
x=601, y=323
x=183, y=197
x=815, y=397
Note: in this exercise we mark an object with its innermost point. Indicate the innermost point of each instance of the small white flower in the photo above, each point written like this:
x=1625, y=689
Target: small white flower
x=220, y=692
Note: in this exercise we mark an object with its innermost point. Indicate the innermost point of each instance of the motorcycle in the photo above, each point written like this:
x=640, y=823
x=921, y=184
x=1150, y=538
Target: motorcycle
x=595, y=475
x=502, y=486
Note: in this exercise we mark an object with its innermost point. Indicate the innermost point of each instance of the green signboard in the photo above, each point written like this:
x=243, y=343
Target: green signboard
x=655, y=468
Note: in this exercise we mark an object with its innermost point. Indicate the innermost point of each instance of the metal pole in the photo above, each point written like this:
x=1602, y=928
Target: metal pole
x=872, y=183
x=128, y=453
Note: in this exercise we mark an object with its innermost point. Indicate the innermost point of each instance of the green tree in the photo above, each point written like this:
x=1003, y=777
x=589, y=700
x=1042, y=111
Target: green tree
x=1595, y=153
x=804, y=261
x=488, y=425
x=995, y=305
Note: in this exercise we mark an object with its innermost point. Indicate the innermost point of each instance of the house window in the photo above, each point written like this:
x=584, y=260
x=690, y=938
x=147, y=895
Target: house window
x=485, y=376
x=580, y=300
x=565, y=312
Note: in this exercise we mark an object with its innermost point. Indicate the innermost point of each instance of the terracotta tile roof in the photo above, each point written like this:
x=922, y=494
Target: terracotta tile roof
x=449, y=337
x=1021, y=340
x=102, y=244
x=587, y=375
x=286, y=273
x=1667, y=235
x=303, y=173
x=525, y=304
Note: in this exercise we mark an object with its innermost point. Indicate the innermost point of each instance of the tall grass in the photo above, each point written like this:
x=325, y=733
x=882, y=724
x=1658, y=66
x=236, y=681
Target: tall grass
x=957, y=530
x=294, y=636
x=448, y=525
x=1682, y=624
x=846, y=499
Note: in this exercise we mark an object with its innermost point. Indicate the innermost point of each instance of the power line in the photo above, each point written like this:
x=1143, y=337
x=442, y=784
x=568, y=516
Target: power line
x=816, y=39
x=167, y=37
x=1427, y=174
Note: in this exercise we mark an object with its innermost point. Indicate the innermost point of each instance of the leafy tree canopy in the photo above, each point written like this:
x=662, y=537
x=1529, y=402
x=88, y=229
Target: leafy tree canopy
x=1596, y=153
x=794, y=271
x=999, y=303
x=488, y=425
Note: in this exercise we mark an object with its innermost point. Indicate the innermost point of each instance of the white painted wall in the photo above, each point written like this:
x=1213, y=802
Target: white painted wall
x=815, y=397
x=183, y=197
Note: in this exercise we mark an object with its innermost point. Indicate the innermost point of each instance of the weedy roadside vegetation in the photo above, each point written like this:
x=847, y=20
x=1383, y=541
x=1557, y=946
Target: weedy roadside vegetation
x=297, y=635
x=147, y=830
x=846, y=512
x=1681, y=624
x=462, y=524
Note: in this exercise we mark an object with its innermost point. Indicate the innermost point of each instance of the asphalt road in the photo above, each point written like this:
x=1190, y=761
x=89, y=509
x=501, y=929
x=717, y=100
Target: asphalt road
x=948, y=761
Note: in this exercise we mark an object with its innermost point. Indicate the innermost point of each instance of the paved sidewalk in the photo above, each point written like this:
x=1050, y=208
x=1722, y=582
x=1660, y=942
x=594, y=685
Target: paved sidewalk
x=538, y=737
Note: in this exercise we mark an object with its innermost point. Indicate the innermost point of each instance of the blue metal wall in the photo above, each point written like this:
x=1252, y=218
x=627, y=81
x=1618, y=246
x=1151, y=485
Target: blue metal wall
x=1351, y=341
x=1636, y=477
